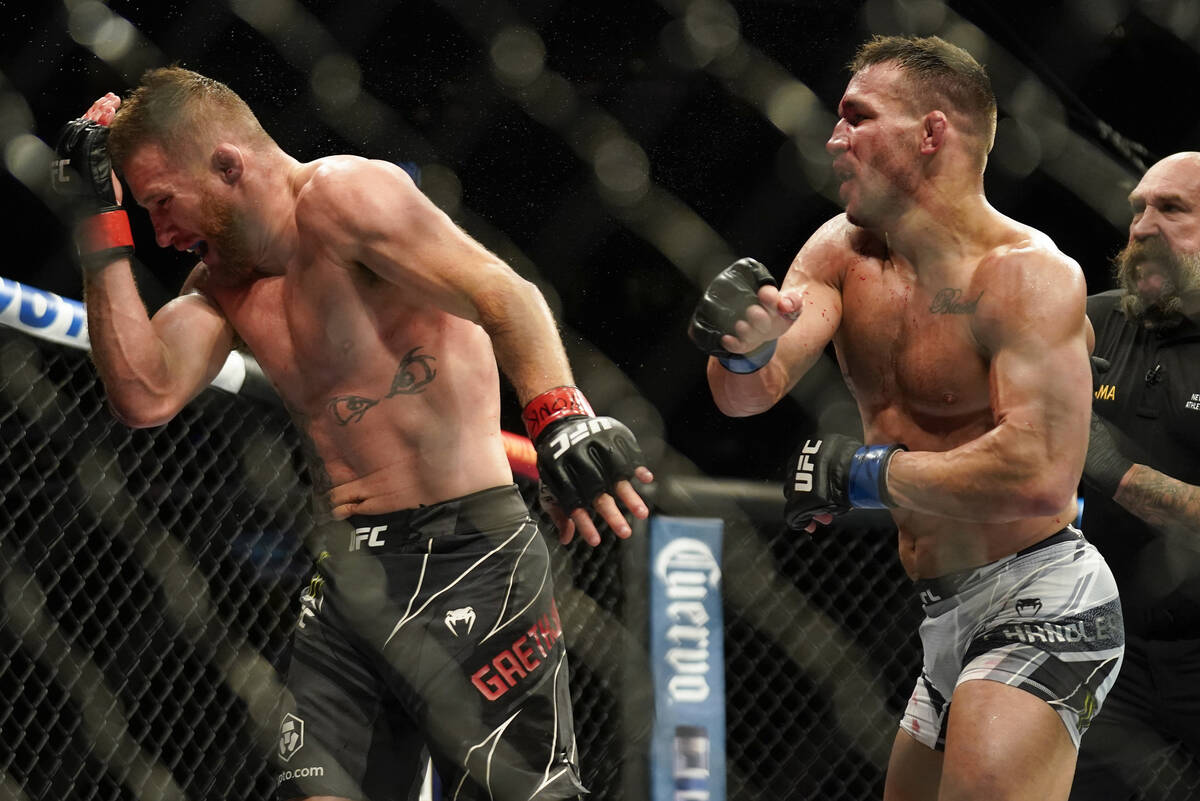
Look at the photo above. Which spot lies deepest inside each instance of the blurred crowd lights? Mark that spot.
(91, 24)
(703, 35)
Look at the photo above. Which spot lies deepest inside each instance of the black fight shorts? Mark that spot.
(431, 629)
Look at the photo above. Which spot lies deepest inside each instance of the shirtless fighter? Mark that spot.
(380, 323)
(962, 335)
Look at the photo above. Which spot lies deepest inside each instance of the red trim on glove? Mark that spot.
(554, 404)
(104, 231)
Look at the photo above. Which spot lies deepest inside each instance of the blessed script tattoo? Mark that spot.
(949, 301)
(414, 373)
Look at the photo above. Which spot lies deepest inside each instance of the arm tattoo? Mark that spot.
(949, 301)
(1159, 499)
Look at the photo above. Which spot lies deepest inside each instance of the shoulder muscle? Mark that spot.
(1029, 291)
(356, 198)
(826, 254)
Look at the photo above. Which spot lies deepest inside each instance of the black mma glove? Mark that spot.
(835, 474)
(83, 173)
(1104, 466)
(579, 455)
(725, 302)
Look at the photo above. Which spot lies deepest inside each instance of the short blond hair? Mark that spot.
(181, 111)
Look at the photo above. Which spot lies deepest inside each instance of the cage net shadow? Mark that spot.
(150, 582)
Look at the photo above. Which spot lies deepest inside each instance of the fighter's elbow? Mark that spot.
(140, 413)
(733, 408)
(739, 395)
(1042, 496)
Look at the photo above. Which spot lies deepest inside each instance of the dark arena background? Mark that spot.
(618, 154)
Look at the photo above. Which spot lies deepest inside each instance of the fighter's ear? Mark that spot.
(228, 163)
(933, 132)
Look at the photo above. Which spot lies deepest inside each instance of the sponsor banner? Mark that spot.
(687, 656)
(43, 314)
(64, 320)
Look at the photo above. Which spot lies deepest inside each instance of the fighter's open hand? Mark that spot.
(581, 520)
(583, 461)
(742, 312)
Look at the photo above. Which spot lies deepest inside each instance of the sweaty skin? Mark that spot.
(963, 336)
(971, 377)
(380, 378)
(379, 322)
(960, 332)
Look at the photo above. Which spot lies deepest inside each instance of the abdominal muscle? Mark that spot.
(400, 408)
(423, 476)
(408, 450)
(932, 545)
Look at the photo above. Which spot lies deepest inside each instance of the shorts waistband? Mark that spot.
(479, 511)
(933, 590)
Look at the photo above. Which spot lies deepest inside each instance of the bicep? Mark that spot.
(1040, 378)
(195, 337)
(820, 316)
(813, 281)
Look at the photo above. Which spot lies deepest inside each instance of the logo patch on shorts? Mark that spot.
(1028, 607)
(291, 736)
(456, 619)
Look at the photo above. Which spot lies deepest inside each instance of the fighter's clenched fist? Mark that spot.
(740, 316)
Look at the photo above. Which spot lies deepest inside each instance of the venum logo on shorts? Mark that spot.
(520, 659)
(1028, 607)
(457, 618)
(291, 736)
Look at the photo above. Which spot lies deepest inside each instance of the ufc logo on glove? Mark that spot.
(577, 431)
(805, 466)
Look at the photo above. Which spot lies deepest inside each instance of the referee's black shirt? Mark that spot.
(1150, 395)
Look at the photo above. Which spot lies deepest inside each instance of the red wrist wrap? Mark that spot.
(554, 404)
(108, 230)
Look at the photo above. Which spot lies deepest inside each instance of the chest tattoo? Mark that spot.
(950, 301)
(415, 372)
(348, 409)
